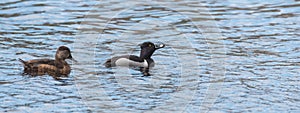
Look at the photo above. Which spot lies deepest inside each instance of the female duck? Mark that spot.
(55, 68)
(144, 60)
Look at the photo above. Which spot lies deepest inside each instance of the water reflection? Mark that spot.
(260, 37)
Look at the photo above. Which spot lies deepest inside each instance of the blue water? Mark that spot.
(220, 56)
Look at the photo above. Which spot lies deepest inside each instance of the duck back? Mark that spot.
(45, 66)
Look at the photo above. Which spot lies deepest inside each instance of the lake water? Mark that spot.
(220, 55)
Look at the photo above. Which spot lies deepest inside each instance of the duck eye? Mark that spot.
(150, 45)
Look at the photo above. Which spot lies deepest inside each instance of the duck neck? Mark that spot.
(63, 66)
(145, 54)
(60, 61)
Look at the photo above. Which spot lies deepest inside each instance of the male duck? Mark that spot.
(144, 60)
(56, 68)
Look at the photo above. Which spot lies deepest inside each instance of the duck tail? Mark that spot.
(22, 61)
(25, 64)
(108, 63)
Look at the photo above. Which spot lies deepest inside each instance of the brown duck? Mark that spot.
(56, 68)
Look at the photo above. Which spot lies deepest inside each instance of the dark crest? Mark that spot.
(62, 48)
(147, 44)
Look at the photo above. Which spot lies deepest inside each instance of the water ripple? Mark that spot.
(262, 55)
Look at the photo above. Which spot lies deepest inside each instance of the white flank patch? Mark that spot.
(127, 62)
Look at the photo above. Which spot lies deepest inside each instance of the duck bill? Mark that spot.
(71, 58)
(74, 60)
(159, 45)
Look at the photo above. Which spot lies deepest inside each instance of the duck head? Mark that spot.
(148, 48)
(63, 53)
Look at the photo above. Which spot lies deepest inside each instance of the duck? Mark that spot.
(144, 61)
(56, 68)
